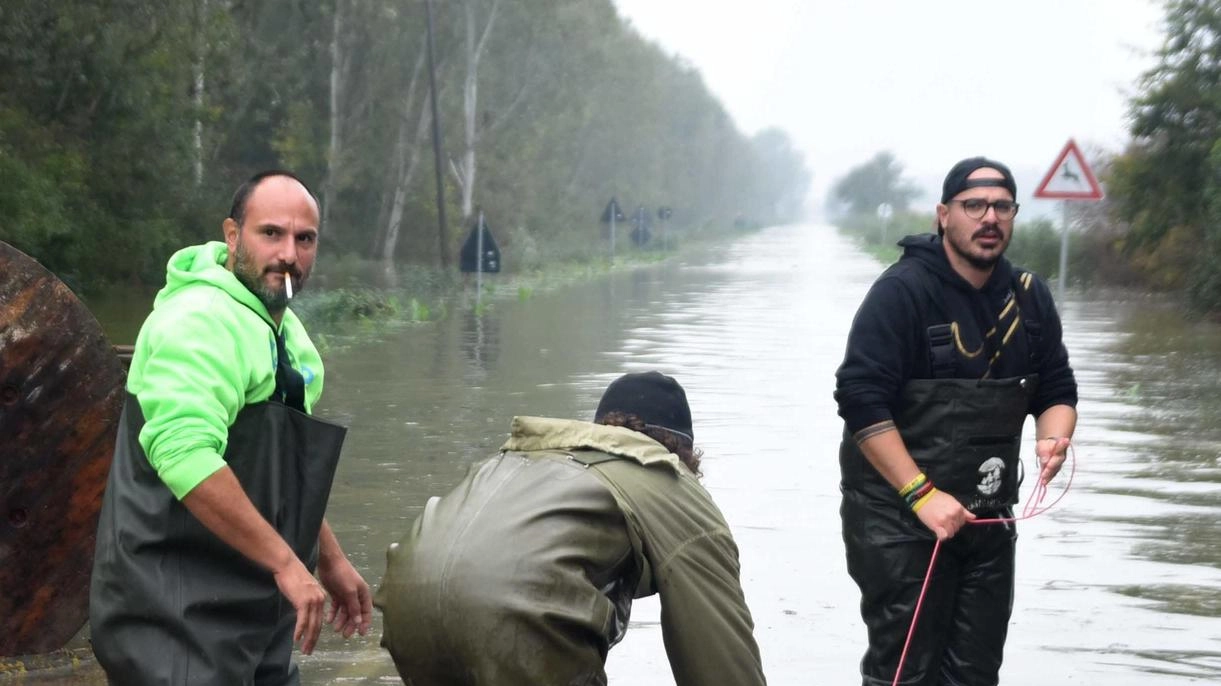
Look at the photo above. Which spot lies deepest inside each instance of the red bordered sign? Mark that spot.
(1070, 178)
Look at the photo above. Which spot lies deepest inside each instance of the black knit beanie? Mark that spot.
(654, 397)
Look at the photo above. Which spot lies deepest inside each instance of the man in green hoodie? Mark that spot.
(213, 518)
(525, 573)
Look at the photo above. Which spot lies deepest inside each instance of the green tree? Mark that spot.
(872, 184)
(1165, 183)
(124, 126)
(1206, 277)
(782, 179)
(95, 124)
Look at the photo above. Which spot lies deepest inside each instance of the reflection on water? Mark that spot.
(1138, 532)
(1158, 395)
(1118, 585)
(755, 332)
(1194, 600)
(121, 312)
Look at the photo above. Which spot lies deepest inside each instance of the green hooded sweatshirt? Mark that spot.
(207, 350)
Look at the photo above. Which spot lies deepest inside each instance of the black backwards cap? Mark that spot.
(654, 397)
(956, 181)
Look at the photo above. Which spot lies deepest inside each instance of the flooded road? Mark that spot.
(1119, 585)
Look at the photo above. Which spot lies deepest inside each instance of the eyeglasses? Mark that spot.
(976, 208)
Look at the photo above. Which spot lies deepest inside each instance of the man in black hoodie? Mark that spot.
(950, 350)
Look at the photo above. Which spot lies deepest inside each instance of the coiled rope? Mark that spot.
(1033, 508)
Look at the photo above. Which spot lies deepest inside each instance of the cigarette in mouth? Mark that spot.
(288, 285)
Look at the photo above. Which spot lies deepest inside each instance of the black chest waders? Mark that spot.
(170, 602)
(965, 435)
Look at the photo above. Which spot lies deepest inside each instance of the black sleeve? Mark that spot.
(881, 354)
(1057, 383)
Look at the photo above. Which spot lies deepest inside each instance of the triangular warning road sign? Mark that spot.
(1070, 178)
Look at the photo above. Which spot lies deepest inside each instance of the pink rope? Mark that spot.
(1033, 508)
(1034, 504)
(911, 631)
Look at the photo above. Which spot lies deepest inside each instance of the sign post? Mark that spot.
(611, 215)
(1070, 178)
(479, 262)
(663, 214)
(479, 254)
(885, 212)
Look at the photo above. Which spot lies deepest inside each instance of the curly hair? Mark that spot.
(687, 452)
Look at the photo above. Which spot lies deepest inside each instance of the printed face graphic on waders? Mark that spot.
(991, 474)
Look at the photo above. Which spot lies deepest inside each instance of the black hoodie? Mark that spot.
(889, 341)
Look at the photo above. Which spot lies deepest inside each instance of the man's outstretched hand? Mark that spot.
(351, 608)
(1052, 452)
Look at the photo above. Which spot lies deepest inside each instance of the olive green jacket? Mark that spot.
(524, 573)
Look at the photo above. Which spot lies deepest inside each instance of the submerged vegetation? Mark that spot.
(347, 303)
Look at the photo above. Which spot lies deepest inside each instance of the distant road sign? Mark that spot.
(475, 248)
(612, 211)
(1070, 177)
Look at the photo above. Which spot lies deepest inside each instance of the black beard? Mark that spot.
(980, 263)
(274, 299)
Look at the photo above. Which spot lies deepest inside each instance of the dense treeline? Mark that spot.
(1166, 187)
(124, 126)
(1160, 224)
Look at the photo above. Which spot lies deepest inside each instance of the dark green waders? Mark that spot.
(965, 435)
(172, 604)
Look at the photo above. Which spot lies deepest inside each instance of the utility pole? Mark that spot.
(479, 261)
(436, 144)
(1063, 252)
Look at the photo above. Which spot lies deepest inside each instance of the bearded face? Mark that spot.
(265, 281)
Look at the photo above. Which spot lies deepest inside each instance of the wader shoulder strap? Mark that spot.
(1022, 283)
(940, 336)
(290, 385)
(941, 351)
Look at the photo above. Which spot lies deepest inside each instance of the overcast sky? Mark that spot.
(932, 81)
